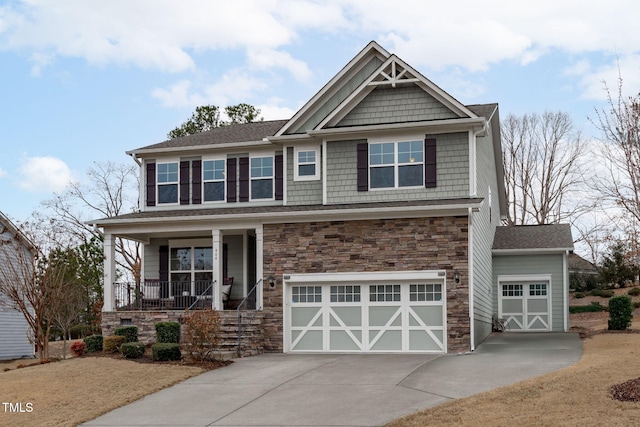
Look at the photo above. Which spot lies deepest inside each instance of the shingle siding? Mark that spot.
(396, 105)
(302, 192)
(452, 173)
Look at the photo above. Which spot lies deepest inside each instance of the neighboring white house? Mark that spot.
(15, 333)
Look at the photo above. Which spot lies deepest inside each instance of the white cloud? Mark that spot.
(3, 173)
(273, 111)
(44, 174)
(269, 59)
(594, 81)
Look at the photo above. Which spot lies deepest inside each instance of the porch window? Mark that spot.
(396, 164)
(306, 167)
(167, 179)
(213, 180)
(191, 270)
(262, 178)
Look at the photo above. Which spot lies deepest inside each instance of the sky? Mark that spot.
(84, 81)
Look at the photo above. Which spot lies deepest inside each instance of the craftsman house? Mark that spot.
(364, 223)
(16, 252)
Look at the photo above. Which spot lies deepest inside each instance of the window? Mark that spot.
(345, 293)
(381, 293)
(511, 290)
(191, 270)
(306, 294)
(261, 178)
(538, 289)
(306, 166)
(396, 164)
(425, 292)
(213, 180)
(167, 174)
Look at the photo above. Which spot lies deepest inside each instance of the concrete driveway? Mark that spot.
(344, 390)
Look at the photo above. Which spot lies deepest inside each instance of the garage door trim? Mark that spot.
(403, 278)
(527, 279)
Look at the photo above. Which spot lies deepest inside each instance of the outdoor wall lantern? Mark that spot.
(456, 276)
(272, 281)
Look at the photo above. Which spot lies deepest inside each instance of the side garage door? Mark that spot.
(525, 306)
(350, 315)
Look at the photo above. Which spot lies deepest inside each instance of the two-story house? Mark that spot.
(364, 223)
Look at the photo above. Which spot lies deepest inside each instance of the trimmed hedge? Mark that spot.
(168, 332)
(166, 351)
(129, 332)
(112, 344)
(620, 313)
(604, 293)
(591, 308)
(94, 343)
(132, 350)
(634, 292)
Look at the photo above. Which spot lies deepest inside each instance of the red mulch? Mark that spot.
(628, 391)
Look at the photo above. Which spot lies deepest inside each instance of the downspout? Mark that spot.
(470, 264)
(565, 291)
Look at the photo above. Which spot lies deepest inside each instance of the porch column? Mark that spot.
(216, 238)
(109, 272)
(259, 265)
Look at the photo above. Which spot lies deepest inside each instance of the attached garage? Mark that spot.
(365, 312)
(531, 278)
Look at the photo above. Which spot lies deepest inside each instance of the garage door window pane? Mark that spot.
(425, 292)
(538, 289)
(345, 293)
(306, 294)
(511, 290)
(382, 293)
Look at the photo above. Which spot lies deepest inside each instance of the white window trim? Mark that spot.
(158, 184)
(224, 180)
(396, 165)
(273, 176)
(296, 169)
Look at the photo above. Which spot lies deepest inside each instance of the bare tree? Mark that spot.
(541, 166)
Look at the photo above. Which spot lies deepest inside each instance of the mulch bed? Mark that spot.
(207, 365)
(628, 391)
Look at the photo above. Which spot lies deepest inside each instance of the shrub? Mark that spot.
(132, 350)
(164, 351)
(112, 344)
(202, 333)
(591, 308)
(620, 313)
(129, 332)
(636, 304)
(94, 343)
(604, 293)
(78, 348)
(168, 332)
(579, 295)
(634, 292)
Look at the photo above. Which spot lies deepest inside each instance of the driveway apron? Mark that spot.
(344, 390)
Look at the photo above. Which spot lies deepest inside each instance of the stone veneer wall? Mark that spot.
(439, 243)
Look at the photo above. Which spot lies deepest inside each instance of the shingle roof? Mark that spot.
(577, 263)
(550, 236)
(245, 132)
(483, 110)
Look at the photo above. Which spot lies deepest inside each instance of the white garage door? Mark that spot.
(365, 316)
(525, 306)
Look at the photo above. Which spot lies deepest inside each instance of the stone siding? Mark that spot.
(369, 246)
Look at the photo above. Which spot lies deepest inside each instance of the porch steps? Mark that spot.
(251, 338)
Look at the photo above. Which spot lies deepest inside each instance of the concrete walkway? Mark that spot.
(344, 390)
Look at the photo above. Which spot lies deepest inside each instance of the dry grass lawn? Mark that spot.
(79, 389)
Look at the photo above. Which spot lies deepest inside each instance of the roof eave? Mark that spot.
(531, 251)
(190, 148)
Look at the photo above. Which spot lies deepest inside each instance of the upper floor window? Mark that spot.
(167, 179)
(262, 178)
(306, 164)
(396, 164)
(213, 180)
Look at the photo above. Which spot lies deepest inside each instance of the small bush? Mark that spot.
(132, 350)
(78, 348)
(166, 351)
(579, 295)
(634, 292)
(94, 343)
(112, 344)
(636, 304)
(129, 332)
(604, 293)
(202, 330)
(620, 313)
(594, 307)
(168, 332)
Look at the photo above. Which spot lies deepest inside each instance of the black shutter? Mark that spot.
(430, 163)
(196, 182)
(244, 179)
(163, 272)
(232, 165)
(151, 184)
(279, 177)
(184, 182)
(363, 166)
